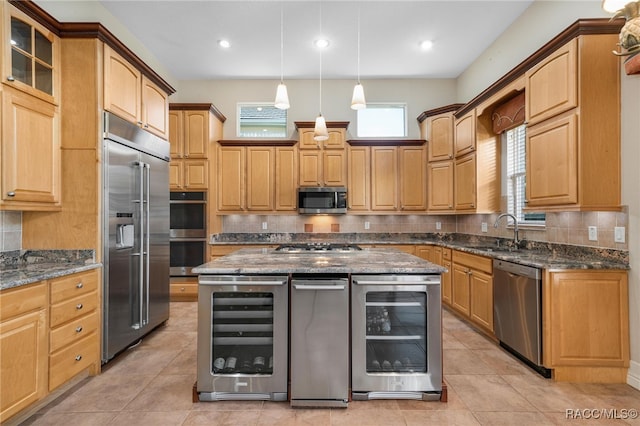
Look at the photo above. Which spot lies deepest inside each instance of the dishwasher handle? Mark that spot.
(517, 269)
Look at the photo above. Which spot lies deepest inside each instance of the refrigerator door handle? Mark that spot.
(141, 259)
(147, 251)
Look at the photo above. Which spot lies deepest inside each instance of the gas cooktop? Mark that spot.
(316, 247)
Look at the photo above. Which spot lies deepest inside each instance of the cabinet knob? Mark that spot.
(182, 288)
(79, 285)
(11, 194)
(146, 126)
(78, 329)
(79, 306)
(78, 357)
(139, 123)
(11, 78)
(526, 201)
(450, 156)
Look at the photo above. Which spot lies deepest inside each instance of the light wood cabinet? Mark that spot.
(446, 277)
(322, 163)
(359, 185)
(412, 162)
(189, 175)
(586, 325)
(440, 178)
(23, 348)
(573, 133)
(440, 138)
(465, 134)
(74, 327)
(465, 182)
(132, 96)
(472, 288)
(257, 178)
(384, 178)
(183, 289)
(31, 157)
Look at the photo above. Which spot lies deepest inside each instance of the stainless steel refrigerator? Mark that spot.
(136, 234)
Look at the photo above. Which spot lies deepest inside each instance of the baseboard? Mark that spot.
(633, 375)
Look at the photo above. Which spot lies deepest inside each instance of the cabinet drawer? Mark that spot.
(76, 329)
(73, 308)
(14, 302)
(70, 361)
(479, 263)
(73, 285)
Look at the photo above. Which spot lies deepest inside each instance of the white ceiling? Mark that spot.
(183, 35)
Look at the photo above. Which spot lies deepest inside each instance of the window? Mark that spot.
(261, 121)
(516, 176)
(382, 121)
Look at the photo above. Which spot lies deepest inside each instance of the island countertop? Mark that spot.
(367, 261)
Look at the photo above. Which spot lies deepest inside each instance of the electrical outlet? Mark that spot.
(484, 227)
(264, 225)
(593, 233)
(367, 225)
(438, 225)
(618, 234)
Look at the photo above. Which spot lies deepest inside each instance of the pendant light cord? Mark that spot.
(281, 43)
(358, 44)
(320, 85)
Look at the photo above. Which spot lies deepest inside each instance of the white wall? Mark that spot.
(538, 24)
(419, 94)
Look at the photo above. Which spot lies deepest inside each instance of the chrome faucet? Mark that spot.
(516, 241)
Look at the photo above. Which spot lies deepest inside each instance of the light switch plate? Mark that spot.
(484, 227)
(264, 225)
(618, 234)
(367, 225)
(438, 225)
(593, 233)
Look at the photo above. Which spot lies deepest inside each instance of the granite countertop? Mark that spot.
(269, 261)
(532, 253)
(20, 268)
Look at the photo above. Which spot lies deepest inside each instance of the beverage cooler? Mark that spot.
(242, 338)
(396, 337)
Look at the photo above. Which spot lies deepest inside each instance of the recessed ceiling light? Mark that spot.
(321, 43)
(224, 44)
(426, 44)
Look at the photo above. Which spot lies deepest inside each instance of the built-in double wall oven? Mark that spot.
(188, 232)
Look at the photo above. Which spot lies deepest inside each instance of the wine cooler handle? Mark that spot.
(319, 287)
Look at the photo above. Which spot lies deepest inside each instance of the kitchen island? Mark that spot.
(320, 326)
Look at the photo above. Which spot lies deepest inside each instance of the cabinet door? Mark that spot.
(460, 298)
(481, 288)
(122, 87)
(465, 182)
(231, 176)
(307, 141)
(196, 174)
(446, 282)
(176, 134)
(334, 168)
(196, 134)
(155, 109)
(286, 195)
(440, 139)
(384, 175)
(30, 151)
(425, 252)
(359, 189)
(336, 139)
(260, 175)
(413, 178)
(552, 85)
(310, 167)
(440, 185)
(465, 134)
(552, 162)
(587, 318)
(176, 174)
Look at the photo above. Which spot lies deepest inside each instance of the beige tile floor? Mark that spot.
(151, 384)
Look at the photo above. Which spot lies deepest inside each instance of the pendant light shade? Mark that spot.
(320, 132)
(357, 100)
(282, 97)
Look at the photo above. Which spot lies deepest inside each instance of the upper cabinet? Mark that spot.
(30, 121)
(132, 96)
(322, 163)
(573, 133)
(465, 133)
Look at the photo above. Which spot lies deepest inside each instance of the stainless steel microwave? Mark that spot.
(322, 200)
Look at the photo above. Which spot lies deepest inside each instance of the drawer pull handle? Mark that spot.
(79, 306)
(79, 285)
(182, 288)
(78, 357)
(78, 329)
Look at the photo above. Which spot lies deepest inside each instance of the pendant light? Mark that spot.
(282, 97)
(357, 100)
(320, 132)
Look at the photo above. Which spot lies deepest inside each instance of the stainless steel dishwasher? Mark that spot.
(319, 341)
(517, 311)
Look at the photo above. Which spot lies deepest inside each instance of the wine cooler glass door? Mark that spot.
(396, 334)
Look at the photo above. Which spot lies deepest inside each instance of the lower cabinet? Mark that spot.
(472, 288)
(49, 333)
(183, 289)
(446, 276)
(23, 348)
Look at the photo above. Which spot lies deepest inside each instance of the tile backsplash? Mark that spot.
(10, 231)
